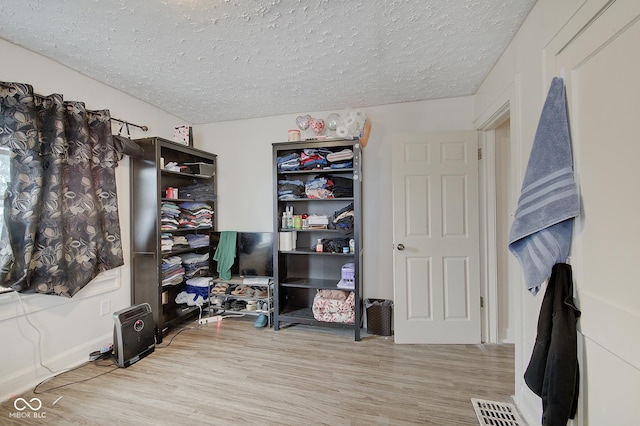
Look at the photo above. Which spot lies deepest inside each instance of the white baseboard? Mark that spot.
(529, 405)
(27, 378)
(509, 336)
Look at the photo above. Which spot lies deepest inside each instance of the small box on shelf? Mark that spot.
(202, 169)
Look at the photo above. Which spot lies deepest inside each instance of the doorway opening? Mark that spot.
(498, 316)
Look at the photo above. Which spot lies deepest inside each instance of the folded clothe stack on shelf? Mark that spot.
(290, 189)
(341, 159)
(197, 240)
(169, 214)
(172, 270)
(289, 162)
(180, 242)
(170, 242)
(195, 215)
(318, 188)
(312, 158)
(195, 265)
(201, 191)
(166, 242)
(342, 187)
(342, 220)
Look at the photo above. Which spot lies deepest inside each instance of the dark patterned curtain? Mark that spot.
(61, 224)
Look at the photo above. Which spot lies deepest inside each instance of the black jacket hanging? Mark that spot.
(553, 372)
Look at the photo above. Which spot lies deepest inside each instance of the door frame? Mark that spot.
(504, 107)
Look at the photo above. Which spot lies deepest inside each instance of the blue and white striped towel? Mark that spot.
(540, 235)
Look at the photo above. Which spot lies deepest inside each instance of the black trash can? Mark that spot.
(379, 316)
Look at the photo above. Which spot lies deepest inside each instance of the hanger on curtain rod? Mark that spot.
(40, 97)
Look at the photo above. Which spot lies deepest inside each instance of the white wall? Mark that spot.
(610, 376)
(245, 172)
(57, 331)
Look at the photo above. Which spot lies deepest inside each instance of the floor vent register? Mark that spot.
(492, 413)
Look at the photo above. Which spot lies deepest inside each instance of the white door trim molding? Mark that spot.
(504, 107)
(488, 247)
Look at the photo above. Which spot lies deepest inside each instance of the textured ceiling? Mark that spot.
(215, 60)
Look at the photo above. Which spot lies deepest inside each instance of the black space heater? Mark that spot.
(133, 334)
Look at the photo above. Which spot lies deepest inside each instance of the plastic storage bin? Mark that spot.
(379, 316)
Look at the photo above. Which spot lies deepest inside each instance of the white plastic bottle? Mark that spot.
(289, 217)
(319, 245)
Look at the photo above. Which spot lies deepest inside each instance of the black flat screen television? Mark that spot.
(254, 254)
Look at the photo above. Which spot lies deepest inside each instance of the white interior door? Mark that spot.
(436, 238)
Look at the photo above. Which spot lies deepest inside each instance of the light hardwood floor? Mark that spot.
(233, 374)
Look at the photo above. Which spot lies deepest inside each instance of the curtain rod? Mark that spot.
(37, 95)
(144, 128)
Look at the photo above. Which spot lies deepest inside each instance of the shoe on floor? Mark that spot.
(261, 321)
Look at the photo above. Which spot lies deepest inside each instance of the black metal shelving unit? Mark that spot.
(300, 272)
(149, 182)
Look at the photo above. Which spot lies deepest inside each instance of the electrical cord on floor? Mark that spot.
(210, 308)
(173, 337)
(180, 330)
(238, 315)
(220, 313)
(59, 373)
(95, 362)
(26, 317)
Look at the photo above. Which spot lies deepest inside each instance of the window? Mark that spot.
(4, 179)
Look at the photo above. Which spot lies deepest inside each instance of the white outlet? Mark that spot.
(105, 307)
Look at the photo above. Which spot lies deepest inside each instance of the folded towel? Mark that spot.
(540, 235)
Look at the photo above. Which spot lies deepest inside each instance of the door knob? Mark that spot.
(400, 247)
